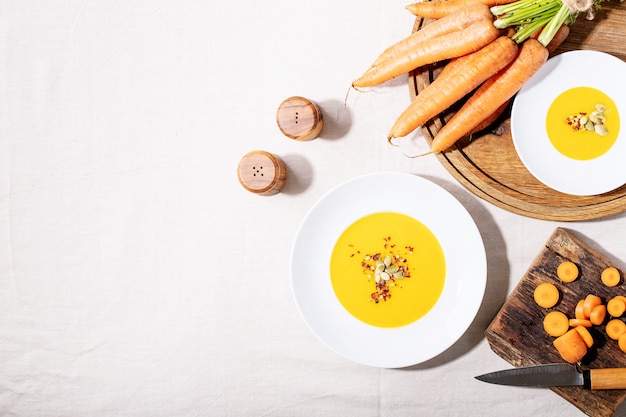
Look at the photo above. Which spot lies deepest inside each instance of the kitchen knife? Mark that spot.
(621, 411)
(559, 375)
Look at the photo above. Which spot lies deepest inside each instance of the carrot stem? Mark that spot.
(530, 16)
(520, 6)
(527, 30)
(555, 23)
(503, 9)
(534, 11)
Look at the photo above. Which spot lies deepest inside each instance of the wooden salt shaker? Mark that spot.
(262, 173)
(299, 118)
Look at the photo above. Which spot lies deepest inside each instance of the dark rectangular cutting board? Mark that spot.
(516, 333)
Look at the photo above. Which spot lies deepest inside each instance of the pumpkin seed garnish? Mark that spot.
(386, 269)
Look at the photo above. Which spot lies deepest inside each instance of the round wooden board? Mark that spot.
(487, 164)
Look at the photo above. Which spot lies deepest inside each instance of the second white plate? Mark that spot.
(586, 68)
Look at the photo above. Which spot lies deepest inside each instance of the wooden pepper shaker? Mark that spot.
(299, 118)
(262, 173)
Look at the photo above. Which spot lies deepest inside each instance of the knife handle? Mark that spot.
(608, 378)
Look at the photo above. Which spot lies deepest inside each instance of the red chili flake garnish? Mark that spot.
(386, 270)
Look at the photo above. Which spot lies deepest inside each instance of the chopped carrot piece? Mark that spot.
(546, 295)
(571, 346)
(555, 323)
(615, 328)
(579, 313)
(611, 277)
(616, 306)
(598, 313)
(567, 271)
(580, 322)
(590, 302)
(584, 333)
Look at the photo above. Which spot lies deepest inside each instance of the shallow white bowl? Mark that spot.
(443, 325)
(568, 70)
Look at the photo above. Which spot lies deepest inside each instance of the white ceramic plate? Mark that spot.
(586, 68)
(443, 325)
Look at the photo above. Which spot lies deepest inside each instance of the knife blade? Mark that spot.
(621, 410)
(559, 375)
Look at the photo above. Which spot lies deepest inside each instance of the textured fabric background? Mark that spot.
(138, 278)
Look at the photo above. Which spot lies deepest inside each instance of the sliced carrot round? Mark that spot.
(621, 342)
(610, 277)
(567, 271)
(580, 322)
(616, 307)
(615, 328)
(556, 323)
(546, 295)
(591, 301)
(584, 333)
(579, 312)
(598, 314)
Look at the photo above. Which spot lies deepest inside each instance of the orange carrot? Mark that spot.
(452, 85)
(571, 346)
(453, 22)
(567, 271)
(615, 328)
(580, 323)
(555, 323)
(558, 39)
(492, 94)
(611, 277)
(439, 8)
(586, 335)
(598, 314)
(616, 307)
(546, 295)
(490, 119)
(579, 312)
(591, 300)
(437, 49)
(621, 342)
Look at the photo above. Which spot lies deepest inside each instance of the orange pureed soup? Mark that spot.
(581, 144)
(387, 269)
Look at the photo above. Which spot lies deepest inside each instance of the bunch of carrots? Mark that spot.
(490, 48)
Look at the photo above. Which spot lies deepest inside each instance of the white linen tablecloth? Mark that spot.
(138, 278)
